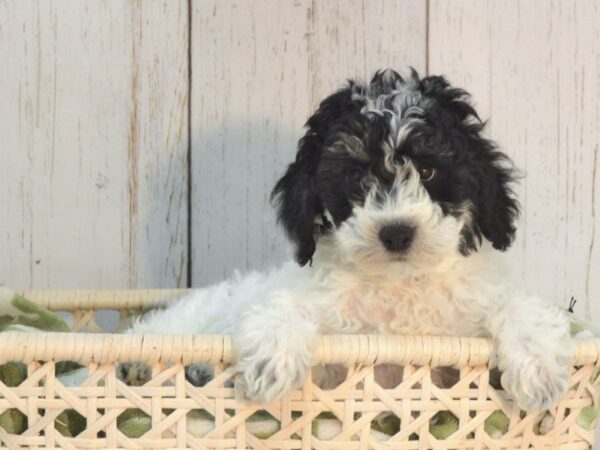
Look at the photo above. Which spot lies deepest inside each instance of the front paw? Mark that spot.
(263, 379)
(536, 385)
(273, 346)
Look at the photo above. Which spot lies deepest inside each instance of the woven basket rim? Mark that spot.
(74, 299)
(103, 348)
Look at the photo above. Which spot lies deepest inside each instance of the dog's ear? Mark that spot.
(296, 195)
(297, 200)
(497, 207)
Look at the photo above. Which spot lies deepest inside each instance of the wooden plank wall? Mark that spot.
(94, 129)
(125, 122)
(270, 63)
(534, 70)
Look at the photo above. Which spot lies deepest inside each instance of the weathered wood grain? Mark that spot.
(356, 38)
(534, 70)
(258, 69)
(94, 125)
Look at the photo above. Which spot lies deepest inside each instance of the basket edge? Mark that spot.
(435, 351)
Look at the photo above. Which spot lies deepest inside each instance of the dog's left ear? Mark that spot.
(498, 208)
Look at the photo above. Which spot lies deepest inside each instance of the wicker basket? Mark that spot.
(354, 405)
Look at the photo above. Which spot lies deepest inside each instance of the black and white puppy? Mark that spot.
(397, 207)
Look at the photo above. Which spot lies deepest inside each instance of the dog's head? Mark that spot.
(396, 171)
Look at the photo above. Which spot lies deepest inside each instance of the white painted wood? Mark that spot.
(93, 122)
(534, 70)
(354, 38)
(258, 69)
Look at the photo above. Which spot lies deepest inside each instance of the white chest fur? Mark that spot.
(450, 301)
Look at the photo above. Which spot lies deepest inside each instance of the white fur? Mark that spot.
(354, 286)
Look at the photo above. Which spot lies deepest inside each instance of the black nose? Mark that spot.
(396, 237)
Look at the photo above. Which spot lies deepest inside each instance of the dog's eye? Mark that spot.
(356, 175)
(427, 173)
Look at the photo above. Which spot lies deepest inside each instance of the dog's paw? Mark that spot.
(273, 349)
(134, 374)
(535, 386)
(263, 380)
(199, 374)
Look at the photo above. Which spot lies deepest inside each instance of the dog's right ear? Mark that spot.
(297, 200)
(296, 194)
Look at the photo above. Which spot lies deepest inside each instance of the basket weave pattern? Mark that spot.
(168, 398)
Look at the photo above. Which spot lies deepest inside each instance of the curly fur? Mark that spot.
(390, 152)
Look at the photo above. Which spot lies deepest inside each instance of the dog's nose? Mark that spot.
(396, 237)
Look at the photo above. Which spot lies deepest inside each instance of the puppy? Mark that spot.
(397, 207)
